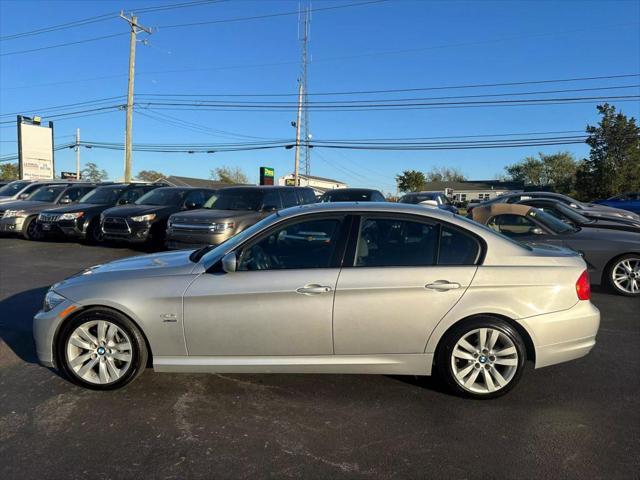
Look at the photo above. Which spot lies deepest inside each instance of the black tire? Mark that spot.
(94, 232)
(139, 352)
(31, 230)
(444, 362)
(609, 275)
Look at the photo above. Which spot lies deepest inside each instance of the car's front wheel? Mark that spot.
(31, 230)
(481, 358)
(624, 275)
(102, 350)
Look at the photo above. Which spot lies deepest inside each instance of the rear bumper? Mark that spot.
(563, 336)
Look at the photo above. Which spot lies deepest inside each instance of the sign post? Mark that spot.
(35, 149)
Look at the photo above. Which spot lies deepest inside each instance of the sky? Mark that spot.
(394, 44)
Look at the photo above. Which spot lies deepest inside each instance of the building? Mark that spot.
(467, 190)
(319, 184)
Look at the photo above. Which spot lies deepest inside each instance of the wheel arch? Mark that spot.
(605, 271)
(76, 313)
(517, 326)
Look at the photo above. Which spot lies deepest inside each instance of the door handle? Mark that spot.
(313, 289)
(442, 285)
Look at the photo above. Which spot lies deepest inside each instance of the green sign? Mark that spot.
(268, 172)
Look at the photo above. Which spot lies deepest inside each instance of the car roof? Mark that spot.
(354, 189)
(483, 213)
(383, 207)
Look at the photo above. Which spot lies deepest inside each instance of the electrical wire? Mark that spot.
(59, 45)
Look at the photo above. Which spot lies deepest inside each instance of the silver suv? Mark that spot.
(230, 211)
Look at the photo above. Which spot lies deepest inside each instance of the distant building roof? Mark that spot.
(322, 179)
(191, 182)
(474, 185)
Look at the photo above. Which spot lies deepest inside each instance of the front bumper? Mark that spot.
(179, 240)
(131, 232)
(563, 336)
(45, 326)
(12, 224)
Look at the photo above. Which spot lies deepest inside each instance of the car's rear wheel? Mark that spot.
(102, 350)
(481, 358)
(623, 275)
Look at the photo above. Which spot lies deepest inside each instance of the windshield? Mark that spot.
(348, 196)
(103, 195)
(210, 254)
(551, 222)
(12, 188)
(418, 197)
(236, 199)
(46, 194)
(572, 215)
(162, 196)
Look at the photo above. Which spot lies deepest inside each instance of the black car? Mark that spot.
(441, 200)
(146, 220)
(573, 217)
(352, 195)
(82, 220)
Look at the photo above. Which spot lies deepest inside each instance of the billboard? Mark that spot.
(266, 175)
(35, 149)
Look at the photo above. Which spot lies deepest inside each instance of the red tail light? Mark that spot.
(583, 287)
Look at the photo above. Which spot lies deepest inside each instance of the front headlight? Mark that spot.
(144, 218)
(221, 227)
(71, 216)
(52, 300)
(14, 213)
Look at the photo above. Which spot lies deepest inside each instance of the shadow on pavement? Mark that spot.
(16, 315)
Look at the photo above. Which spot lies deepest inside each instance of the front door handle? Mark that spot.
(314, 289)
(442, 285)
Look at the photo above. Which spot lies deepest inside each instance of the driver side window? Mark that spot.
(512, 225)
(307, 244)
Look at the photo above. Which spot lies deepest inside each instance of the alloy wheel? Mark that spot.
(625, 275)
(99, 352)
(484, 360)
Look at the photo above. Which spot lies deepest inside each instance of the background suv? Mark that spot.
(230, 211)
(352, 195)
(146, 220)
(20, 216)
(82, 220)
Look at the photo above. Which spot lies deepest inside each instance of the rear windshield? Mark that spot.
(346, 196)
(46, 194)
(418, 198)
(231, 199)
(103, 195)
(12, 188)
(162, 196)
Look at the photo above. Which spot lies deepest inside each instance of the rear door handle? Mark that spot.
(314, 289)
(442, 285)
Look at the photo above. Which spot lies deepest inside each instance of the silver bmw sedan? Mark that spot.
(328, 288)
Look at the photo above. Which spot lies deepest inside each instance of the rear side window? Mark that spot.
(289, 197)
(377, 197)
(271, 200)
(306, 196)
(386, 242)
(457, 248)
(511, 225)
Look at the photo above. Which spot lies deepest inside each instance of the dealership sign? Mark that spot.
(266, 175)
(35, 149)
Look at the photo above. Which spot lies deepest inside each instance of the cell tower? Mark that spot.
(304, 24)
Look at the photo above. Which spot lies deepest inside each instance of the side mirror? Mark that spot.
(537, 231)
(191, 205)
(22, 196)
(123, 201)
(229, 262)
(429, 203)
(65, 200)
(269, 208)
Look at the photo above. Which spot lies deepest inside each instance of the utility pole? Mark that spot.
(77, 154)
(135, 29)
(305, 25)
(297, 162)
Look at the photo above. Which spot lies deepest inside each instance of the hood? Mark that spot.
(606, 235)
(208, 215)
(605, 211)
(28, 206)
(137, 210)
(79, 207)
(143, 266)
(621, 224)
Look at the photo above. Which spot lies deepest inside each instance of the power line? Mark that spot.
(44, 109)
(59, 45)
(270, 15)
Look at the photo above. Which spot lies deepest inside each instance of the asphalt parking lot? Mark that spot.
(577, 420)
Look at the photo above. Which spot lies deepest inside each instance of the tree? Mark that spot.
(410, 181)
(150, 175)
(92, 173)
(9, 171)
(613, 165)
(444, 174)
(230, 175)
(556, 171)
